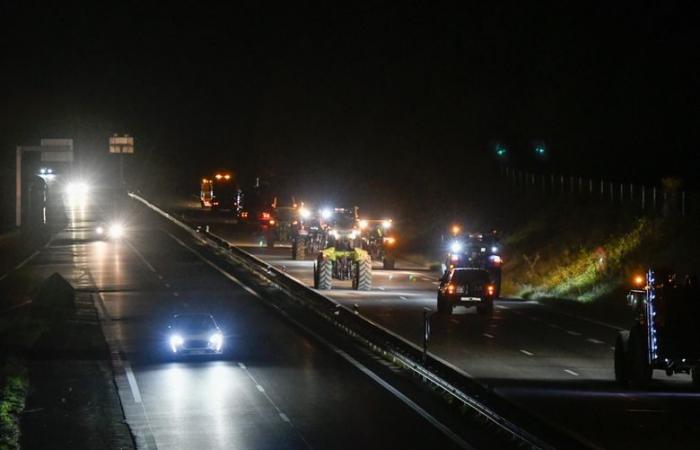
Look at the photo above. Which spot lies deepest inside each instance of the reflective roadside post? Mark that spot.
(427, 314)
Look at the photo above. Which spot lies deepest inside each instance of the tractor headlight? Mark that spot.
(456, 247)
(386, 224)
(116, 231)
(216, 340)
(176, 341)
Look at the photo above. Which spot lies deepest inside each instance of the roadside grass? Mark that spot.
(14, 382)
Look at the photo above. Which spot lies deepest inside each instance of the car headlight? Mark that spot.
(116, 231)
(217, 340)
(76, 189)
(99, 230)
(386, 224)
(456, 247)
(176, 341)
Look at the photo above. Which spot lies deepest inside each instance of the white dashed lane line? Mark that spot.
(526, 353)
(571, 372)
(490, 336)
(595, 341)
(573, 333)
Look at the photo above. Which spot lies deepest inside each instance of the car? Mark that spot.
(467, 287)
(195, 334)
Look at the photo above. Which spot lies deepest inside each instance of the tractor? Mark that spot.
(665, 334)
(378, 241)
(343, 257)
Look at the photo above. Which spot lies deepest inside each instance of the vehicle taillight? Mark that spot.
(451, 288)
(244, 215)
(265, 216)
(490, 289)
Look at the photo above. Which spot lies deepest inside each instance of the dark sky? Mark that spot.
(399, 92)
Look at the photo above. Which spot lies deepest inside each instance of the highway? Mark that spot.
(551, 364)
(273, 388)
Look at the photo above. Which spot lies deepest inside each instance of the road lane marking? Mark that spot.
(284, 417)
(167, 285)
(571, 372)
(176, 294)
(402, 297)
(502, 307)
(553, 325)
(612, 348)
(573, 333)
(141, 257)
(436, 283)
(490, 336)
(525, 352)
(241, 365)
(595, 341)
(132, 381)
(260, 388)
(358, 365)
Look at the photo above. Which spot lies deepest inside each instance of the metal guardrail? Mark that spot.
(441, 374)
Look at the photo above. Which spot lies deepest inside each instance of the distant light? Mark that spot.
(42, 171)
(456, 247)
(390, 240)
(456, 229)
(227, 177)
(304, 213)
(116, 231)
(386, 224)
(494, 249)
(49, 170)
(639, 280)
(218, 176)
(363, 224)
(326, 213)
(99, 230)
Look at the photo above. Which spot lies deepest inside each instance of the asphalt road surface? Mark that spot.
(549, 363)
(273, 388)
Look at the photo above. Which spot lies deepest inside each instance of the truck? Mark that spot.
(220, 192)
(664, 334)
(477, 251)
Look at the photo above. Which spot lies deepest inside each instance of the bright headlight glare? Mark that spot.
(76, 189)
(456, 247)
(386, 224)
(304, 213)
(116, 231)
(216, 338)
(99, 230)
(326, 213)
(176, 341)
(494, 249)
(363, 224)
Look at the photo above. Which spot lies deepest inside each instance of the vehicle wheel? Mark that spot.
(640, 372)
(485, 308)
(443, 306)
(362, 281)
(324, 274)
(622, 358)
(695, 375)
(389, 263)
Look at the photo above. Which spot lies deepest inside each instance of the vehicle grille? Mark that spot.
(196, 343)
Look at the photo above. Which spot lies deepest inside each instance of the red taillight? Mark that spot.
(490, 289)
(265, 216)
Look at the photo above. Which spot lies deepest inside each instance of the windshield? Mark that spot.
(194, 322)
(470, 276)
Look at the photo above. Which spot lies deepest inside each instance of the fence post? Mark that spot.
(602, 189)
(653, 199)
(622, 194)
(562, 184)
(590, 186)
(644, 191)
(612, 193)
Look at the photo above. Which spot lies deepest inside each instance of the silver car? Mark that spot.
(195, 334)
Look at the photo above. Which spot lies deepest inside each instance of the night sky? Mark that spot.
(379, 94)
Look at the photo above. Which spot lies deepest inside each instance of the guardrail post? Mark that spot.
(356, 308)
(683, 203)
(427, 314)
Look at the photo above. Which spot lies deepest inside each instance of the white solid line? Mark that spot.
(358, 365)
(595, 341)
(525, 352)
(141, 257)
(132, 382)
(573, 333)
(490, 336)
(571, 372)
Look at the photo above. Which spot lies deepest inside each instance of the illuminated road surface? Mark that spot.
(272, 389)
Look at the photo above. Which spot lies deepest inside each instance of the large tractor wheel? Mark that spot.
(640, 371)
(362, 281)
(298, 250)
(323, 275)
(622, 358)
(389, 262)
(443, 306)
